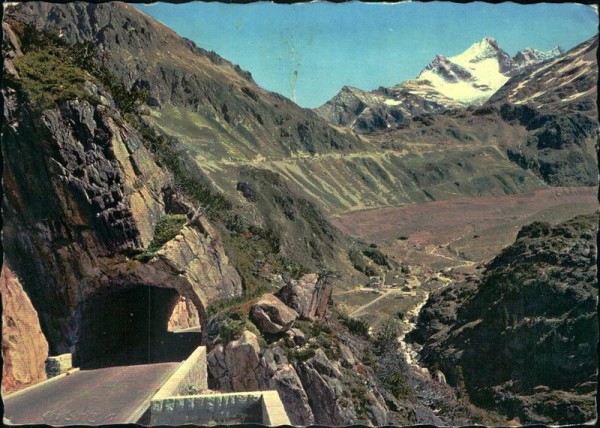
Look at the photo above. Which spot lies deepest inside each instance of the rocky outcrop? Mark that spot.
(312, 391)
(24, 347)
(242, 366)
(309, 295)
(271, 315)
(184, 315)
(284, 378)
(237, 365)
(83, 197)
(523, 339)
(314, 386)
(325, 390)
(559, 149)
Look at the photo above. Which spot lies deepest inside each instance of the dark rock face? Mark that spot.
(449, 71)
(523, 339)
(559, 147)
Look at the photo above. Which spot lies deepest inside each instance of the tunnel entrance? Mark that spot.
(130, 326)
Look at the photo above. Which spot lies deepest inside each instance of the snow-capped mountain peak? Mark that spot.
(475, 74)
(484, 49)
(470, 77)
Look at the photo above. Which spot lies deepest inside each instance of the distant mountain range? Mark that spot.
(471, 77)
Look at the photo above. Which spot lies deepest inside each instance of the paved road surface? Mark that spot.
(102, 396)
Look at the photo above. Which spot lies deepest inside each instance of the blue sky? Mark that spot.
(307, 52)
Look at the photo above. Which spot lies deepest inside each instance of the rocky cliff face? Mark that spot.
(214, 112)
(523, 338)
(83, 197)
(24, 347)
(184, 315)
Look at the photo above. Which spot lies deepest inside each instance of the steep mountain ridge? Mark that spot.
(233, 116)
(445, 83)
(368, 180)
(544, 119)
(567, 83)
(531, 56)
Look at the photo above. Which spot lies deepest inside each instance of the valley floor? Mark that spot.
(443, 241)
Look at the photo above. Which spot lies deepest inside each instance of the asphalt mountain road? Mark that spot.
(110, 395)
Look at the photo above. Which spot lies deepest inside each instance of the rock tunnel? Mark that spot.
(129, 325)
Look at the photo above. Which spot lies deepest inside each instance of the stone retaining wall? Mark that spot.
(262, 407)
(174, 405)
(207, 409)
(273, 412)
(58, 365)
(191, 376)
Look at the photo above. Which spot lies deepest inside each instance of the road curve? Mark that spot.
(111, 395)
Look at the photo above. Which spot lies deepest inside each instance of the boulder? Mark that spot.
(346, 356)
(237, 366)
(309, 295)
(271, 315)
